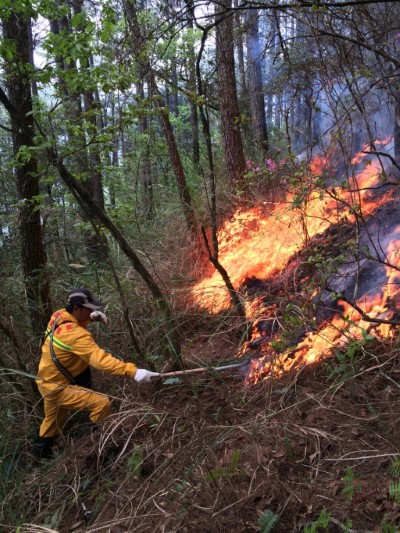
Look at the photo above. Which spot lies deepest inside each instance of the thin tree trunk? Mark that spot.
(145, 171)
(139, 46)
(397, 130)
(213, 251)
(240, 51)
(194, 117)
(91, 159)
(256, 93)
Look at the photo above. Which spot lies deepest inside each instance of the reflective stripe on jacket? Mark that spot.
(75, 349)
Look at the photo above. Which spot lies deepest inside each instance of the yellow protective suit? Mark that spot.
(76, 350)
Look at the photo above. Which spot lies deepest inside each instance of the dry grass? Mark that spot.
(208, 455)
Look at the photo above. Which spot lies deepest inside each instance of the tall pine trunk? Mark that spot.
(230, 116)
(16, 30)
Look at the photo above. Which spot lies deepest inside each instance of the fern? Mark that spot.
(267, 521)
(349, 487)
(394, 490)
(395, 467)
(322, 522)
(225, 472)
(388, 528)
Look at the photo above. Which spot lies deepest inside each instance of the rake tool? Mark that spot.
(180, 373)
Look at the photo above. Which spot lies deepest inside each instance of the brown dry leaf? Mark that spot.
(278, 454)
(76, 265)
(313, 456)
(333, 487)
(372, 507)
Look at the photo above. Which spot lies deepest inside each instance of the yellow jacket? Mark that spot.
(75, 349)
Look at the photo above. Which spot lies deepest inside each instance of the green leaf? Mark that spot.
(222, 472)
(395, 467)
(134, 463)
(267, 521)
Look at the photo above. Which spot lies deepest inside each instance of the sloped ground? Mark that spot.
(211, 455)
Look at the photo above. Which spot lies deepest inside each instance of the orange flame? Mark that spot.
(256, 243)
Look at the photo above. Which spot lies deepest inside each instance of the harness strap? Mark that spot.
(60, 367)
(61, 323)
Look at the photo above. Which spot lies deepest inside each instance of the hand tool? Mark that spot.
(178, 373)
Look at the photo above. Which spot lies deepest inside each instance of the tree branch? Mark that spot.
(385, 154)
(7, 104)
(364, 315)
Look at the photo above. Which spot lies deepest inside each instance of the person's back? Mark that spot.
(68, 334)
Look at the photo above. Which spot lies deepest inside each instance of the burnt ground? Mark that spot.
(216, 454)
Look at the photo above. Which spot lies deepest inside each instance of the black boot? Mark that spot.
(42, 447)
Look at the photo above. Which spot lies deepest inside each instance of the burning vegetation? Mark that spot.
(343, 237)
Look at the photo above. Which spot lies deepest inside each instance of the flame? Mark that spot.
(258, 242)
(253, 243)
(318, 165)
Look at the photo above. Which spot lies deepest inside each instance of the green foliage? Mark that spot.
(223, 472)
(288, 446)
(295, 320)
(53, 521)
(350, 485)
(268, 521)
(395, 467)
(12, 474)
(394, 490)
(345, 366)
(322, 522)
(389, 528)
(134, 462)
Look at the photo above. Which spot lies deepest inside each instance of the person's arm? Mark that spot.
(86, 348)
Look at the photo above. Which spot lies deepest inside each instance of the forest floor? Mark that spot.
(313, 448)
(216, 454)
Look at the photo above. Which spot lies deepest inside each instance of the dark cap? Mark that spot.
(83, 297)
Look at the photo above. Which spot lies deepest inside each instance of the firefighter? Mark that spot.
(68, 353)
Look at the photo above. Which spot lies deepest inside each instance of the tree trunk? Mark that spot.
(230, 117)
(19, 105)
(191, 74)
(75, 104)
(397, 130)
(91, 160)
(256, 93)
(240, 51)
(145, 171)
(213, 250)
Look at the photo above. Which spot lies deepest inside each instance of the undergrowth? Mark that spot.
(292, 454)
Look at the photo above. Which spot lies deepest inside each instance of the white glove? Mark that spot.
(144, 376)
(98, 316)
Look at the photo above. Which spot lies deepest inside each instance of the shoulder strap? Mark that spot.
(60, 324)
(60, 367)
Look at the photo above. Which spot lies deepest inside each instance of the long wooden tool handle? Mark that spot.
(182, 372)
(201, 369)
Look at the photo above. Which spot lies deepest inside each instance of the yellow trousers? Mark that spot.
(58, 401)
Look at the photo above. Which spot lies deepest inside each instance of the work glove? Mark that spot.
(98, 316)
(144, 376)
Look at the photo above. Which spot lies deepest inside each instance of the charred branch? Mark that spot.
(213, 257)
(384, 154)
(363, 314)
